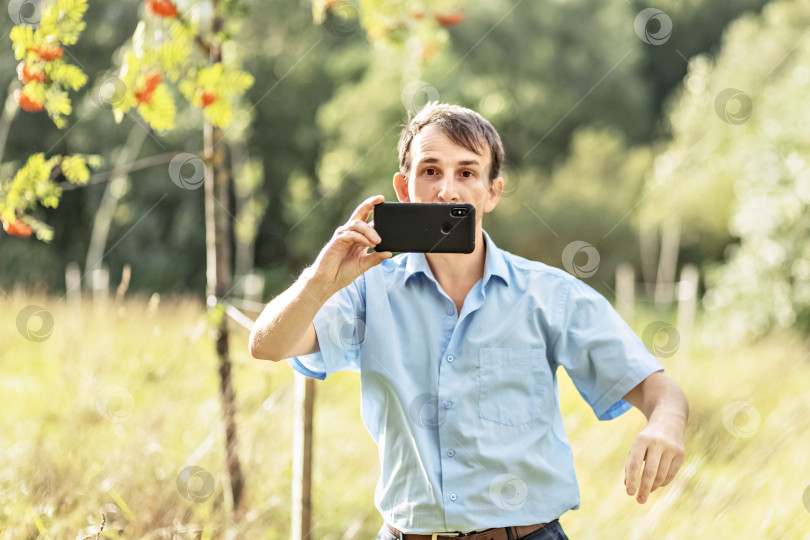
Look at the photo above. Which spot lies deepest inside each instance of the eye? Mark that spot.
(429, 172)
(467, 174)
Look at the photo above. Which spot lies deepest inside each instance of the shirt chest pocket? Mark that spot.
(514, 385)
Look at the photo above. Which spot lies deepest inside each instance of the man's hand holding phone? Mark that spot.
(345, 257)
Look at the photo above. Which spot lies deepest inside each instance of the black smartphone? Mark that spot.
(425, 227)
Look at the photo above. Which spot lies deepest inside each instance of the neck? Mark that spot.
(454, 270)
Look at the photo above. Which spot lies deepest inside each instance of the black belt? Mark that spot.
(500, 533)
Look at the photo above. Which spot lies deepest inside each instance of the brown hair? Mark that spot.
(463, 126)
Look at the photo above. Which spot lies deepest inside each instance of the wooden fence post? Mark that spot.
(626, 292)
(126, 275)
(667, 265)
(100, 281)
(687, 302)
(302, 458)
(73, 284)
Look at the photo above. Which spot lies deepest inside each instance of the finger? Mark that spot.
(673, 469)
(363, 228)
(350, 237)
(364, 210)
(651, 462)
(633, 466)
(663, 470)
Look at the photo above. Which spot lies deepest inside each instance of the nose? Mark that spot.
(447, 192)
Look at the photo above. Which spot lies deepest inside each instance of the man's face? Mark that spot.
(444, 172)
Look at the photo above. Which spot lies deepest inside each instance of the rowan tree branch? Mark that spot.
(137, 165)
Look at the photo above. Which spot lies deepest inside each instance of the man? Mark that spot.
(457, 355)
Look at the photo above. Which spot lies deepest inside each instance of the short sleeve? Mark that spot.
(340, 327)
(599, 351)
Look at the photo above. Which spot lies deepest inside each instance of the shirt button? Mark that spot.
(450, 357)
(448, 404)
(451, 311)
(451, 452)
(452, 496)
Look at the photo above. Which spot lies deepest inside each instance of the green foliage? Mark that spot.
(739, 168)
(64, 21)
(41, 52)
(159, 111)
(67, 75)
(75, 169)
(167, 46)
(533, 95)
(221, 84)
(327, 106)
(22, 39)
(33, 185)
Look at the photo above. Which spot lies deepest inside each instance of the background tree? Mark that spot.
(740, 179)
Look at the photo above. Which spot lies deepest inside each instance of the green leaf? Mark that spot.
(159, 112)
(67, 75)
(75, 169)
(22, 38)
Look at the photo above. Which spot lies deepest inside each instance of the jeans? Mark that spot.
(552, 531)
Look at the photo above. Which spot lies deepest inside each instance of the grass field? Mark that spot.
(104, 414)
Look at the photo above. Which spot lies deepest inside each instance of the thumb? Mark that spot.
(373, 259)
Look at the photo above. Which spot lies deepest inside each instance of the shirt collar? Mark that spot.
(494, 264)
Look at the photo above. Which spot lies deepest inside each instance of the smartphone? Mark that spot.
(425, 227)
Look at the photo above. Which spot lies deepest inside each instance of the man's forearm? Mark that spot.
(286, 318)
(660, 398)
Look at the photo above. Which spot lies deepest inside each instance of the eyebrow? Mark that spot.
(462, 162)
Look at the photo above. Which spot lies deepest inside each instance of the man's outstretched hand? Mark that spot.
(660, 447)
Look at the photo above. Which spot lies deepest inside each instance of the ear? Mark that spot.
(401, 187)
(495, 190)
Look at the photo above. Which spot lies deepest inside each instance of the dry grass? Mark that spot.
(101, 417)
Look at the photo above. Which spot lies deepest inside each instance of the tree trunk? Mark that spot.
(109, 201)
(218, 274)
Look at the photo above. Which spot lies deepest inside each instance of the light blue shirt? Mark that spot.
(464, 407)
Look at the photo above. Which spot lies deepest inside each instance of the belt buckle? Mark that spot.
(434, 535)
